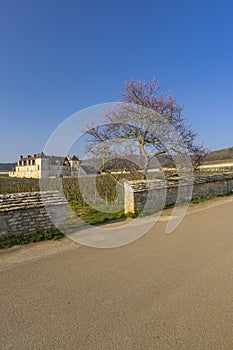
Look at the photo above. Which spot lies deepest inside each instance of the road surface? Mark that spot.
(161, 292)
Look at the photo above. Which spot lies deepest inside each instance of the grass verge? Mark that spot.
(93, 216)
(36, 237)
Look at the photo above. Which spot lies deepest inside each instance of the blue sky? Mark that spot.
(58, 57)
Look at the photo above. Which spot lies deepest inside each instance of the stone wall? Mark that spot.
(150, 195)
(28, 213)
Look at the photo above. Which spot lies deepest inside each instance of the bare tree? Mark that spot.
(198, 154)
(148, 119)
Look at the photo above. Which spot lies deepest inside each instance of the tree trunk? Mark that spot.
(146, 168)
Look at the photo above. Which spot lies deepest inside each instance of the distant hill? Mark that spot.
(7, 166)
(218, 156)
(222, 154)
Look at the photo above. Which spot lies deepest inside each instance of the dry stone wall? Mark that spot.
(28, 213)
(150, 195)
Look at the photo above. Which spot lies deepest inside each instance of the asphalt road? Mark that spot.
(161, 292)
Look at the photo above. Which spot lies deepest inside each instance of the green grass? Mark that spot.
(36, 237)
(93, 216)
(204, 199)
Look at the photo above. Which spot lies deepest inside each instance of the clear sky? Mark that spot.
(60, 56)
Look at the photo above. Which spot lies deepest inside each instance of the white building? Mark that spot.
(43, 166)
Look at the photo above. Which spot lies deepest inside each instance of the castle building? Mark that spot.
(42, 166)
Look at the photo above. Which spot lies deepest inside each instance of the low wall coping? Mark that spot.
(144, 185)
(29, 200)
